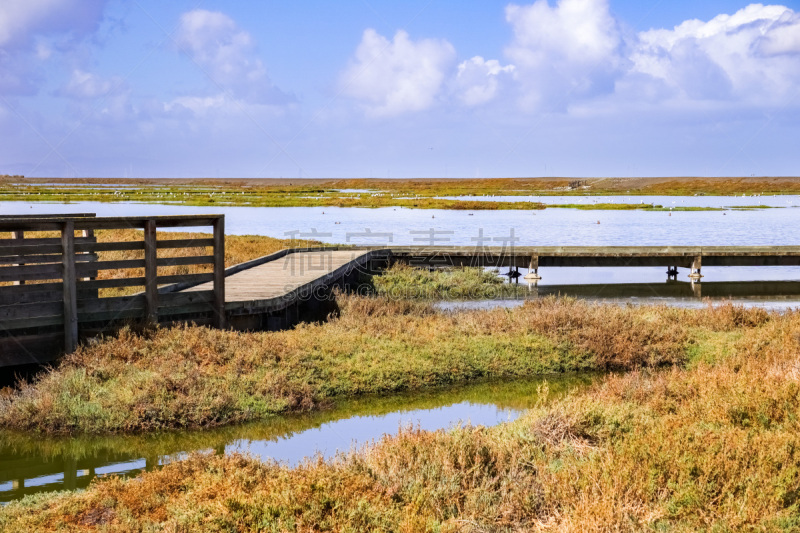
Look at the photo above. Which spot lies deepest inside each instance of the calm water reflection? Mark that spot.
(771, 295)
(30, 465)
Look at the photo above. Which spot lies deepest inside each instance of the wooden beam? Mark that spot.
(151, 271)
(219, 271)
(70, 288)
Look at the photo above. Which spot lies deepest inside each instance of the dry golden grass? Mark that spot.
(710, 446)
(197, 377)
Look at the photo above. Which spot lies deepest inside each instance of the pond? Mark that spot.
(33, 464)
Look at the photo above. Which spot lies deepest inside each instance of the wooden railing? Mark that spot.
(51, 286)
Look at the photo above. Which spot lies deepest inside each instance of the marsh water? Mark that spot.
(776, 226)
(34, 464)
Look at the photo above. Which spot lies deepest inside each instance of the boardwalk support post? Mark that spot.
(533, 269)
(70, 295)
(219, 272)
(696, 265)
(151, 271)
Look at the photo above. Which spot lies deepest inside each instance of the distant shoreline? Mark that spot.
(431, 193)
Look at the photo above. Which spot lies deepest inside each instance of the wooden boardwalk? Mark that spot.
(285, 278)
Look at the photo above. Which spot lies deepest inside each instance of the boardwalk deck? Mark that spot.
(273, 285)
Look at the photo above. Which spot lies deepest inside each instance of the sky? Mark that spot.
(386, 89)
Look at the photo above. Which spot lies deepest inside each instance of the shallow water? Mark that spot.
(665, 201)
(30, 465)
(769, 295)
(550, 227)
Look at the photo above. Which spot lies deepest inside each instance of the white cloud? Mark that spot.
(85, 85)
(21, 20)
(751, 56)
(478, 81)
(26, 26)
(198, 105)
(398, 76)
(228, 55)
(562, 52)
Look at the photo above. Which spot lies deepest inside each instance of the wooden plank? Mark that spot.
(14, 291)
(139, 245)
(186, 278)
(29, 225)
(30, 249)
(219, 272)
(185, 243)
(47, 216)
(140, 282)
(111, 283)
(179, 261)
(13, 324)
(42, 241)
(30, 273)
(96, 305)
(122, 246)
(88, 269)
(40, 259)
(115, 315)
(70, 288)
(139, 222)
(151, 271)
(33, 297)
(20, 310)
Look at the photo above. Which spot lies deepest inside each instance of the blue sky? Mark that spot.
(422, 88)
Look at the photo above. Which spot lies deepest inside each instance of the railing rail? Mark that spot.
(50, 286)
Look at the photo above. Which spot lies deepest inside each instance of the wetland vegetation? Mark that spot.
(701, 434)
(419, 194)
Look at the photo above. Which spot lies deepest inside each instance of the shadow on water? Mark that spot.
(768, 294)
(31, 464)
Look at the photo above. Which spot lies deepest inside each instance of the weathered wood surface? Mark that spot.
(588, 256)
(49, 290)
(278, 283)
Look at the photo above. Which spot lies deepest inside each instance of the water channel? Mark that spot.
(35, 464)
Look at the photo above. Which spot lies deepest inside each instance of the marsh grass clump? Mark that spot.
(402, 281)
(712, 447)
(189, 377)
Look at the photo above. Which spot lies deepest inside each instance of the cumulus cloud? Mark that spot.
(397, 76)
(24, 30)
(478, 81)
(752, 55)
(573, 49)
(228, 55)
(85, 85)
(20, 21)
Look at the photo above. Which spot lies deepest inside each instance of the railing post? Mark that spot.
(219, 272)
(70, 286)
(20, 235)
(151, 271)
